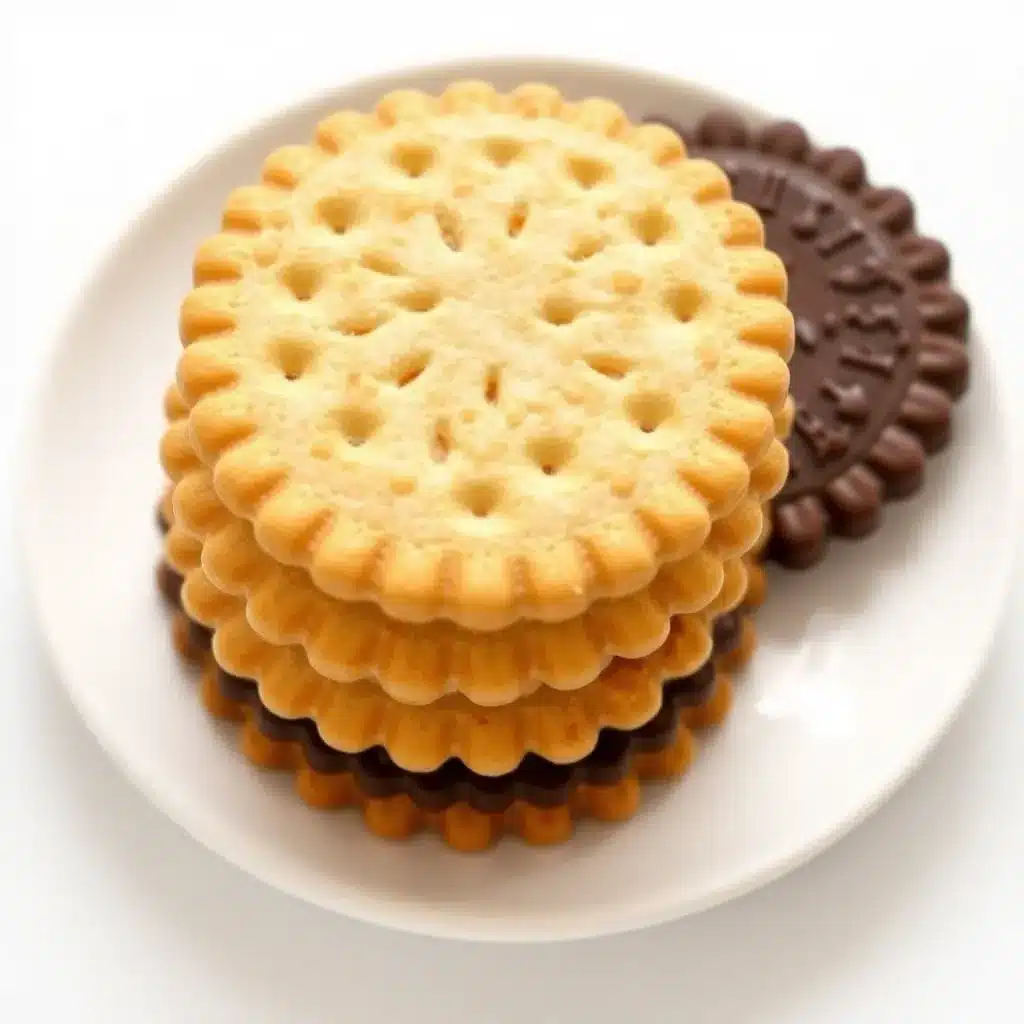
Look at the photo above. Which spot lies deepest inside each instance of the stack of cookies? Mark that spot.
(480, 401)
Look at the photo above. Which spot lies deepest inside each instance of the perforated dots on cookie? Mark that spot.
(293, 356)
(520, 327)
(338, 212)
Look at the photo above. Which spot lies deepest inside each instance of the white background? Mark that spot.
(109, 913)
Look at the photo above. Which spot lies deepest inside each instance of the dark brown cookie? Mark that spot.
(880, 355)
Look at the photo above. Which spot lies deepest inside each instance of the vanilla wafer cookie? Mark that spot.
(756, 580)
(418, 663)
(484, 357)
(541, 807)
(471, 810)
(421, 664)
(558, 725)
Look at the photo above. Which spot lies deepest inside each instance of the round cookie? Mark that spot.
(539, 800)
(880, 355)
(614, 349)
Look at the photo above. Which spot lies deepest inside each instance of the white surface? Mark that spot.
(916, 916)
(846, 693)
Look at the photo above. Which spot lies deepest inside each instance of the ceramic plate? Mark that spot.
(847, 693)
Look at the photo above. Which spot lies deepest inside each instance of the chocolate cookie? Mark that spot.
(880, 353)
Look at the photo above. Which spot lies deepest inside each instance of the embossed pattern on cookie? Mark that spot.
(880, 355)
(614, 346)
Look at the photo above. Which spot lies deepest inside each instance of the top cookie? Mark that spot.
(491, 357)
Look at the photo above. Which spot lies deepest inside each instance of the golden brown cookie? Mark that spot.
(614, 347)
(539, 800)
(418, 663)
(559, 725)
(459, 824)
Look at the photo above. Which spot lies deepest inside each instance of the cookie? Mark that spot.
(614, 348)
(559, 725)
(535, 779)
(418, 663)
(389, 811)
(539, 800)
(880, 356)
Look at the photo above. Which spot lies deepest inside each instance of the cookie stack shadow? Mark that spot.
(481, 402)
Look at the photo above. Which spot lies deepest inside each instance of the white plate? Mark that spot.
(864, 662)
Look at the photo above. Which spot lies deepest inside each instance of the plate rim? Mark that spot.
(393, 913)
